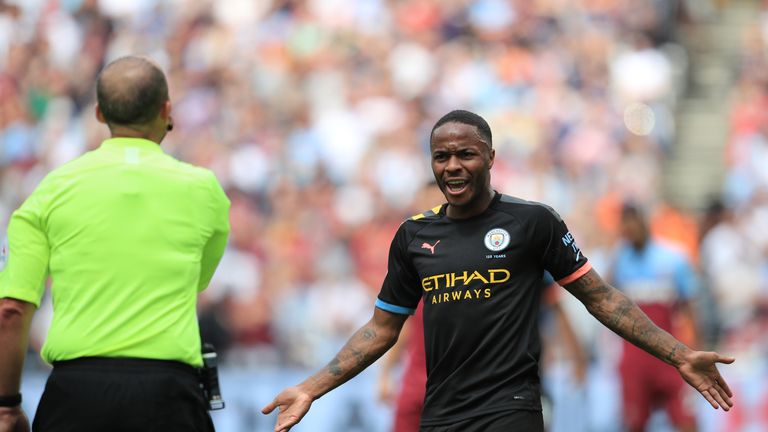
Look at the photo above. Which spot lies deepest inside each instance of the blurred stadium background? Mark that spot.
(315, 116)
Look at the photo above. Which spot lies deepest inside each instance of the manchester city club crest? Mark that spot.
(496, 239)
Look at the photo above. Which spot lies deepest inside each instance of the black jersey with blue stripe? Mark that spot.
(481, 280)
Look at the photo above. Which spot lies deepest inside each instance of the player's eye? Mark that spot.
(439, 157)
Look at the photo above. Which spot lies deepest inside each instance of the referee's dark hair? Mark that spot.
(131, 91)
(467, 118)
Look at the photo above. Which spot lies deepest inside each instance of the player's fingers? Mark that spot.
(719, 399)
(279, 427)
(270, 407)
(723, 394)
(724, 359)
(286, 423)
(709, 398)
(721, 382)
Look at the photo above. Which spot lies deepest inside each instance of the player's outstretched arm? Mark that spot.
(368, 343)
(620, 314)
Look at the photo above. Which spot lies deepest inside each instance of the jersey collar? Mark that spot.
(123, 142)
(496, 198)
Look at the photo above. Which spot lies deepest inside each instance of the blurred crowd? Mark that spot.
(315, 116)
(734, 247)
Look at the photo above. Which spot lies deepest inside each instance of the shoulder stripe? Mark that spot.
(431, 212)
(394, 308)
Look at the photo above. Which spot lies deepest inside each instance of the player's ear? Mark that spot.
(100, 115)
(492, 157)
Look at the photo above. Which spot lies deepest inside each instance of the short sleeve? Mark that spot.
(217, 242)
(220, 204)
(556, 246)
(400, 293)
(28, 253)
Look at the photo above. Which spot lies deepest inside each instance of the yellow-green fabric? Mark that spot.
(129, 236)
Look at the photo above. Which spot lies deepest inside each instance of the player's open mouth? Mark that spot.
(456, 186)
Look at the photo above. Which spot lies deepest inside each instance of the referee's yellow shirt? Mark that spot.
(129, 236)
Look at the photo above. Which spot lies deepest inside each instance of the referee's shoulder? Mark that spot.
(205, 180)
(67, 169)
(193, 171)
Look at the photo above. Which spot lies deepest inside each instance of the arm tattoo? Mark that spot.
(592, 284)
(620, 314)
(360, 356)
(622, 310)
(365, 346)
(671, 356)
(362, 349)
(334, 368)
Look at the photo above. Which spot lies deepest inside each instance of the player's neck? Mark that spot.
(477, 206)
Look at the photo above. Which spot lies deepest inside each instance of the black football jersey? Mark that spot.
(481, 281)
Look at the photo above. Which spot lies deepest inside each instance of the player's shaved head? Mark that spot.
(131, 91)
(467, 118)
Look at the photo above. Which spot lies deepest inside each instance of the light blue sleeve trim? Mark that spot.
(394, 309)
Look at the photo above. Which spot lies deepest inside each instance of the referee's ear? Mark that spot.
(99, 115)
(165, 112)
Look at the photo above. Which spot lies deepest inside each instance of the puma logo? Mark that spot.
(431, 248)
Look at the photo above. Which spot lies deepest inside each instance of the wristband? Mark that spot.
(10, 401)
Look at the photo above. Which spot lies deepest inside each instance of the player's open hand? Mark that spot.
(700, 371)
(13, 420)
(292, 404)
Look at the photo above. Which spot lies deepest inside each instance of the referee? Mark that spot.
(129, 236)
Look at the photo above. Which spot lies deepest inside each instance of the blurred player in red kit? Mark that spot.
(661, 281)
